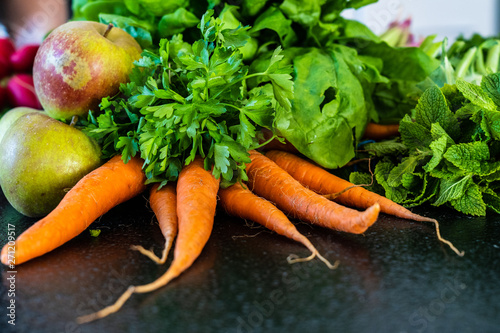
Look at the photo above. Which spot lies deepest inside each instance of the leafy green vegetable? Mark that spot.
(368, 80)
(185, 100)
(449, 155)
(137, 29)
(330, 92)
(148, 21)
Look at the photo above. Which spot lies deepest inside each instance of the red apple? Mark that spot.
(79, 63)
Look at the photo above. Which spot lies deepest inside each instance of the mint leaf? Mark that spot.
(432, 107)
(451, 189)
(472, 158)
(471, 202)
(407, 166)
(438, 148)
(411, 180)
(414, 135)
(492, 200)
(446, 170)
(382, 172)
(491, 124)
(475, 94)
(424, 188)
(437, 132)
(360, 178)
(387, 147)
(491, 86)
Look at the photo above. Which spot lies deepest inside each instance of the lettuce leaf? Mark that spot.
(327, 107)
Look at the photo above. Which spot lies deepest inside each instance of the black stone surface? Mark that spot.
(397, 277)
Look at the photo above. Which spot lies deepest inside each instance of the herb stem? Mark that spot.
(492, 58)
(248, 76)
(265, 142)
(231, 105)
(464, 64)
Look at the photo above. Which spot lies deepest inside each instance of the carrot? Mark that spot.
(102, 189)
(376, 131)
(164, 205)
(323, 182)
(241, 202)
(196, 202)
(268, 180)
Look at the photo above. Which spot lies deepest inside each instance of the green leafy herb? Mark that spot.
(95, 232)
(355, 78)
(449, 155)
(192, 99)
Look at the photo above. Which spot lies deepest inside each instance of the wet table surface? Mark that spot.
(397, 277)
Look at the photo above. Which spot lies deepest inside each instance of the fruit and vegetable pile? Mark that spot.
(260, 109)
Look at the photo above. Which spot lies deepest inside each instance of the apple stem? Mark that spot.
(74, 119)
(108, 29)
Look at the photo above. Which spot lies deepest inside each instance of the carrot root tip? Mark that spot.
(293, 258)
(447, 242)
(327, 263)
(107, 310)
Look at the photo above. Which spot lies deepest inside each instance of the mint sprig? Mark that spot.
(448, 151)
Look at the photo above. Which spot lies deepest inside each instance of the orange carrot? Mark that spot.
(164, 205)
(268, 180)
(241, 202)
(196, 202)
(323, 182)
(102, 189)
(376, 131)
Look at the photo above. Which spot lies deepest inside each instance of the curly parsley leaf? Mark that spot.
(185, 100)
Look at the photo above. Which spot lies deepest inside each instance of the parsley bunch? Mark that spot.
(186, 99)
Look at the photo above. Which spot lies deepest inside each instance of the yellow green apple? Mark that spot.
(41, 158)
(10, 116)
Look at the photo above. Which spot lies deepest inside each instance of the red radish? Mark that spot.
(21, 92)
(5, 67)
(6, 49)
(22, 60)
(3, 97)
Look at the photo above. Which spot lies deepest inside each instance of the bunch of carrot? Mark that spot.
(280, 185)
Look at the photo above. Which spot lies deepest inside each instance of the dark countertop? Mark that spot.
(397, 277)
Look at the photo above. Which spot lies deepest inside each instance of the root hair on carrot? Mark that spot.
(238, 200)
(196, 203)
(293, 258)
(108, 310)
(151, 255)
(441, 239)
(323, 182)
